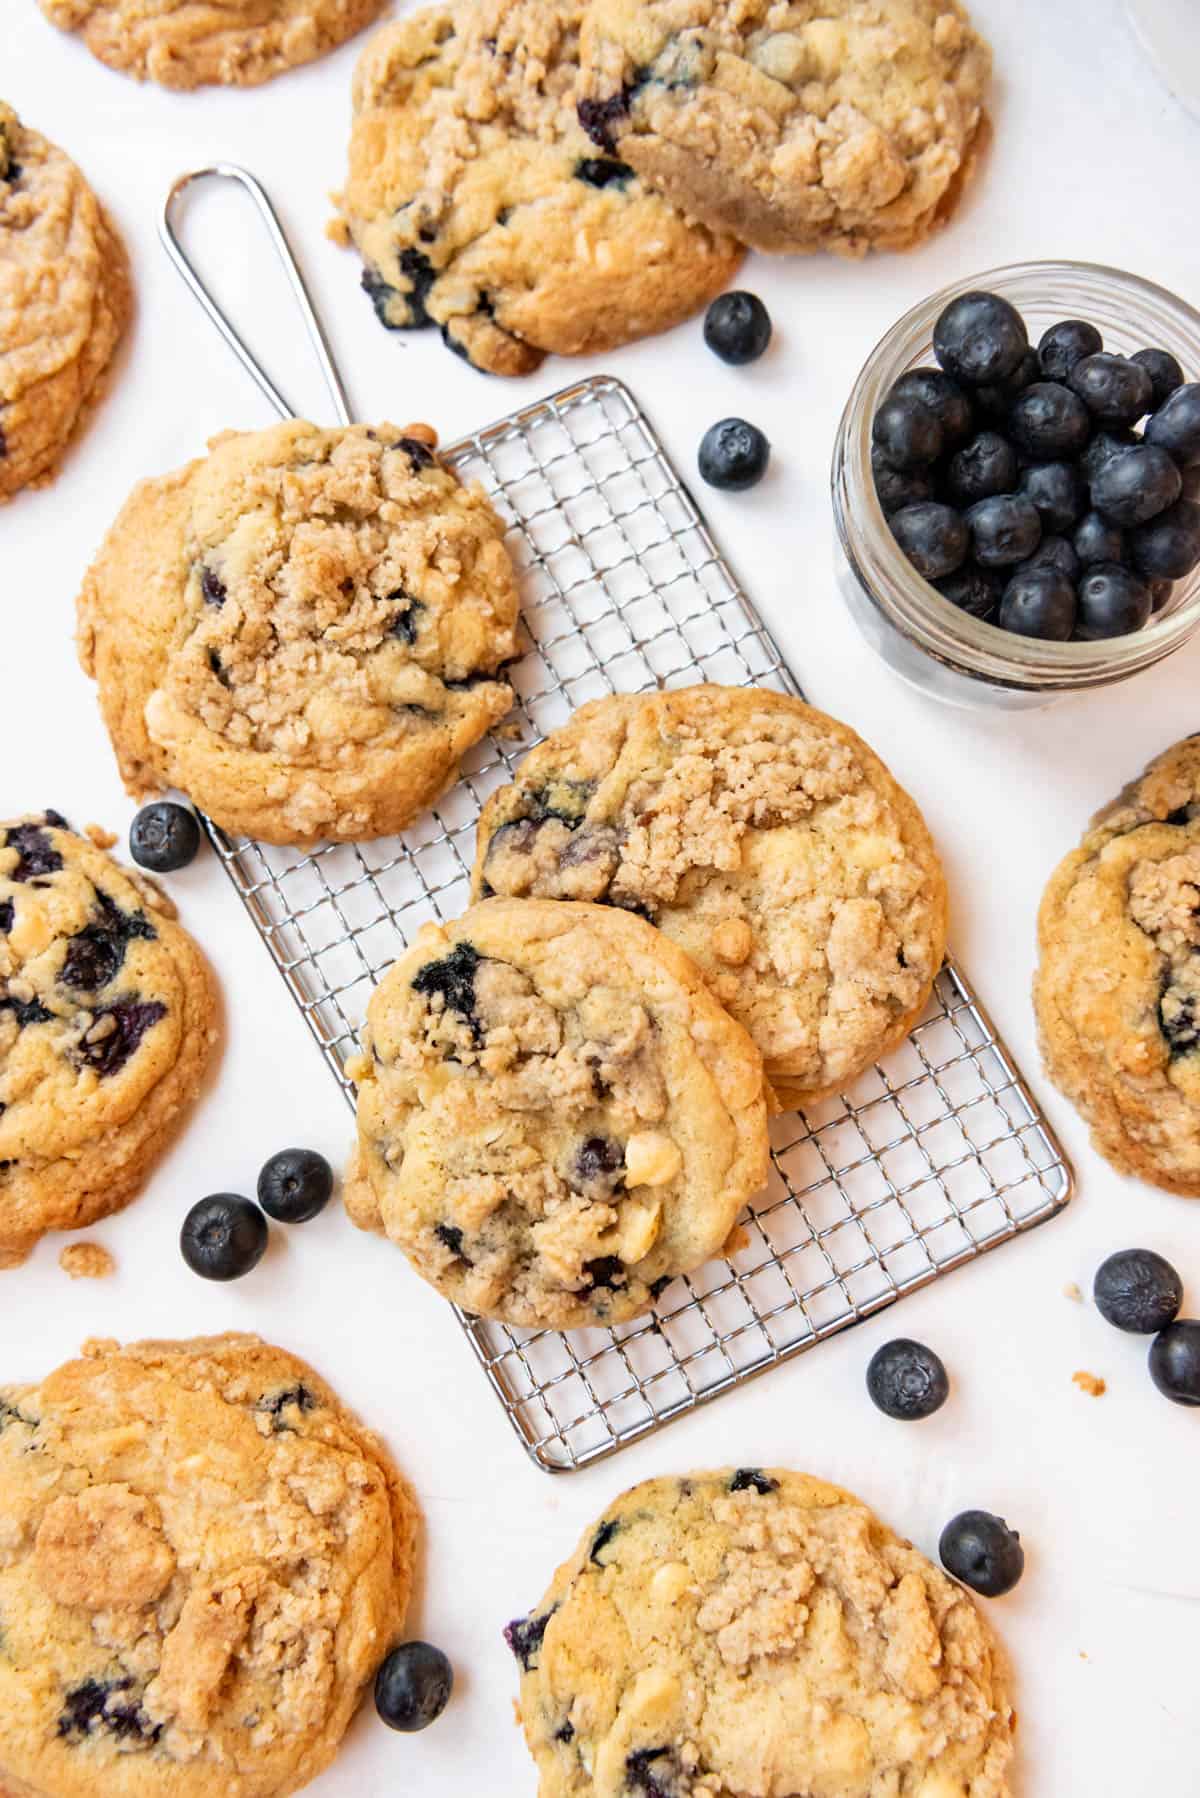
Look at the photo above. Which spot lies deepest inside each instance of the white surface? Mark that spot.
(1092, 159)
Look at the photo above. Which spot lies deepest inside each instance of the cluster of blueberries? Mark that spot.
(1015, 481)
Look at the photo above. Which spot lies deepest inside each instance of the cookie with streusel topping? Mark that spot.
(764, 838)
(757, 1633)
(1118, 984)
(555, 1117)
(304, 630)
(206, 1558)
(107, 1024)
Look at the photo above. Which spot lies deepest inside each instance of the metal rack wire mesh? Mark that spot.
(932, 1158)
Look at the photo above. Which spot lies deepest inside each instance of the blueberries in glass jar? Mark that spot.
(1114, 390)
(1096, 540)
(906, 432)
(1136, 484)
(737, 328)
(1164, 371)
(1168, 547)
(1048, 420)
(943, 397)
(979, 337)
(898, 487)
(982, 467)
(1053, 552)
(1160, 593)
(933, 537)
(1039, 602)
(1112, 602)
(734, 455)
(997, 398)
(1004, 529)
(1175, 426)
(1065, 344)
(973, 590)
(1103, 447)
(1057, 490)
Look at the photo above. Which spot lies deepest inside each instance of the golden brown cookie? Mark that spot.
(1118, 984)
(758, 1633)
(65, 300)
(764, 838)
(107, 1024)
(206, 1558)
(303, 631)
(845, 125)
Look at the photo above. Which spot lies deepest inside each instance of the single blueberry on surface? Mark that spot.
(295, 1185)
(1164, 371)
(1175, 425)
(973, 590)
(907, 1380)
(980, 1550)
(979, 337)
(1048, 420)
(1114, 390)
(1065, 344)
(1136, 484)
(1137, 1290)
(1096, 540)
(1175, 1362)
(1113, 601)
(933, 537)
(1053, 552)
(413, 1686)
(898, 487)
(1057, 490)
(1168, 547)
(1039, 602)
(223, 1237)
(164, 837)
(985, 466)
(907, 433)
(1004, 529)
(734, 455)
(940, 395)
(737, 328)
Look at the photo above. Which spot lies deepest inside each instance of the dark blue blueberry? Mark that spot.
(1164, 371)
(524, 1638)
(599, 1163)
(1168, 548)
(973, 590)
(1003, 530)
(454, 979)
(605, 1274)
(131, 1020)
(1049, 421)
(1179, 1019)
(1053, 552)
(603, 171)
(1039, 602)
(96, 954)
(36, 854)
(418, 453)
(907, 433)
(941, 396)
(1135, 485)
(381, 294)
(6, 916)
(164, 837)
(981, 1551)
(1057, 490)
(1175, 426)
(95, 1706)
(734, 455)
(1137, 1290)
(979, 337)
(1175, 1362)
(1114, 390)
(753, 1479)
(907, 1380)
(291, 1398)
(898, 487)
(996, 399)
(1191, 481)
(223, 1237)
(602, 1538)
(26, 1011)
(1160, 593)
(406, 623)
(1113, 601)
(737, 328)
(295, 1185)
(933, 537)
(212, 588)
(985, 466)
(600, 118)
(651, 1772)
(451, 1237)
(565, 1732)
(413, 1686)
(1096, 540)
(420, 274)
(1103, 447)
(1065, 344)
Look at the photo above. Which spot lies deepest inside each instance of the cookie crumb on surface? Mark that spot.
(86, 1260)
(1071, 1291)
(1090, 1383)
(96, 833)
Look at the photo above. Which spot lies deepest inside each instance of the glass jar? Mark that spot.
(926, 640)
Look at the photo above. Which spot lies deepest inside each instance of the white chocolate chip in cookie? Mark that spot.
(651, 1158)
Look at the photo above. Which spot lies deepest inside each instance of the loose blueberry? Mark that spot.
(907, 1380)
(1136, 484)
(898, 487)
(1175, 1362)
(933, 537)
(907, 433)
(1039, 602)
(981, 1551)
(1065, 344)
(1175, 426)
(413, 1686)
(1164, 371)
(1053, 552)
(973, 590)
(996, 398)
(979, 338)
(295, 1185)
(1057, 490)
(1048, 420)
(223, 1237)
(1112, 602)
(943, 397)
(1137, 1290)
(1096, 540)
(1114, 390)
(164, 837)
(1168, 548)
(1004, 529)
(737, 328)
(734, 455)
(985, 466)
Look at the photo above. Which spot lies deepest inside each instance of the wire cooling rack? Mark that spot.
(932, 1158)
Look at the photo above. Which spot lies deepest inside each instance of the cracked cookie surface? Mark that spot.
(555, 1117)
(479, 206)
(107, 1023)
(763, 837)
(800, 124)
(191, 43)
(65, 299)
(1118, 984)
(206, 1556)
(750, 1633)
(302, 630)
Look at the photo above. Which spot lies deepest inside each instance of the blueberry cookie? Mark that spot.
(191, 43)
(845, 125)
(302, 630)
(554, 1116)
(765, 839)
(760, 1634)
(65, 299)
(107, 1023)
(206, 1556)
(1118, 985)
(479, 206)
